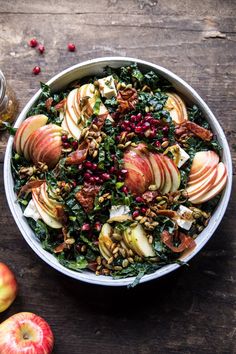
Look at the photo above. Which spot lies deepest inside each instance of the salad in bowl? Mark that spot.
(117, 174)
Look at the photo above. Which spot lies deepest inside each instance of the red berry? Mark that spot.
(112, 169)
(94, 167)
(41, 48)
(33, 42)
(87, 176)
(165, 130)
(146, 125)
(143, 210)
(66, 145)
(85, 227)
(36, 70)
(91, 179)
(135, 214)
(139, 116)
(138, 130)
(74, 144)
(97, 179)
(158, 144)
(71, 47)
(139, 199)
(64, 138)
(88, 164)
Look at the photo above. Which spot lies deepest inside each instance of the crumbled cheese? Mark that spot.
(107, 87)
(31, 211)
(118, 210)
(183, 157)
(185, 218)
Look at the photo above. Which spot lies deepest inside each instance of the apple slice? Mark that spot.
(136, 239)
(174, 172)
(50, 154)
(105, 241)
(167, 178)
(176, 107)
(202, 186)
(202, 161)
(73, 128)
(27, 127)
(157, 169)
(217, 187)
(71, 107)
(48, 219)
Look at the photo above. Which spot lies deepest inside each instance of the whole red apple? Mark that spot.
(25, 333)
(8, 287)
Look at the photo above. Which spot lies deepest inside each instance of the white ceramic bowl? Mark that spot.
(93, 67)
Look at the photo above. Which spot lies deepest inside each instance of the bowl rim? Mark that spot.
(104, 280)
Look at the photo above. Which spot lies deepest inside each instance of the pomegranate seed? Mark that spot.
(112, 169)
(74, 184)
(74, 145)
(71, 47)
(88, 164)
(152, 133)
(133, 118)
(139, 116)
(94, 167)
(139, 199)
(146, 125)
(66, 145)
(155, 122)
(135, 214)
(33, 42)
(165, 130)
(143, 210)
(97, 226)
(138, 130)
(125, 190)
(91, 179)
(41, 48)
(105, 176)
(158, 144)
(85, 227)
(64, 139)
(36, 70)
(87, 176)
(97, 179)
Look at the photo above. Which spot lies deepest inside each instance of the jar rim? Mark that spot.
(2, 86)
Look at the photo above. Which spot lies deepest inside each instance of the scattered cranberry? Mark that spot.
(97, 179)
(139, 116)
(71, 47)
(66, 145)
(138, 130)
(85, 227)
(91, 179)
(36, 70)
(74, 144)
(87, 176)
(135, 214)
(139, 199)
(88, 164)
(158, 144)
(94, 167)
(125, 190)
(33, 42)
(105, 176)
(143, 210)
(41, 48)
(64, 139)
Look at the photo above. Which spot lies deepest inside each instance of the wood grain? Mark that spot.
(192, 310)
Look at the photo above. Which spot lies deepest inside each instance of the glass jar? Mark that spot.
(8, 102)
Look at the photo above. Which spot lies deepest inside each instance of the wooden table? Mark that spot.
(192, 310)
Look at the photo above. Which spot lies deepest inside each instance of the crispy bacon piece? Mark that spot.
(60, 214)
(87, 195)
(48, 103)
(186, 242)
(188, 127)
(166, 212)
(60, 105)
(127, 99)
(79, 155)
(199, 131)
(27, 188)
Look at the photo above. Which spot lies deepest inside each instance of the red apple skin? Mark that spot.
(25, 333)
(8, 287)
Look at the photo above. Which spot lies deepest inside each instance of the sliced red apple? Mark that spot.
(27, 127)
(202, 161)
(176, 107)
(71, 108)
(217, 187)
(50, 153)
(202, 186)
(46, 217)
(157, 170)
(174, 172)
(168, 179)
